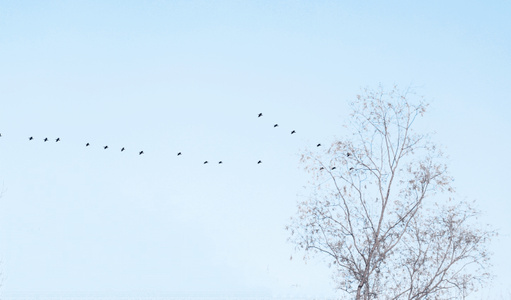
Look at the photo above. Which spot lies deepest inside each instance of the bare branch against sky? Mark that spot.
(386, 219)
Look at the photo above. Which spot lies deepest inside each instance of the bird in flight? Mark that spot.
(293, 132)
(333, 168)
(351, 168)
(122, 149)
(106, 147)
(276, 125)
(220, 162)
(58, 139)
(348, 154)
(322, 168)
(260, 115)
(87, 145)
(141, 152)
(259, 162)
(205, 162)
(179, 153)
(318, 145)
(30, 138)
(45, 139)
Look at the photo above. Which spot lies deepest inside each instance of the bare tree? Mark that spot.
(382, 211)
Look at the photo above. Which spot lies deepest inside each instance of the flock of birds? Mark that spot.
(86, 145)
(180, 153)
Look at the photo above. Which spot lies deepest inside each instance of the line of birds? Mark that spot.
(180, 153)
(86, 145)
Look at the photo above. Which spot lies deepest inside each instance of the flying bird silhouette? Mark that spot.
(205, 162)
(87, 145)
(351, 168)
(260, 115)
(293, 132)
(322, 168)
(333, 168)
(259, 162)
(179, 153)
(348, 154)
(220, 162)
(318, 145)
(31, 138)
(106, 147)
(58, 139)
(45, 139)
(122, 149)
(141, 152)
(276, 125)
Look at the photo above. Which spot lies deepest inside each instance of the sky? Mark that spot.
(191, 76)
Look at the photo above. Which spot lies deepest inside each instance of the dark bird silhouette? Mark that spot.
(205, 162)
(260, 115)
(58, 139)
(87, 145)
(220, 162)
(45, 139)
(321, 168)
(179, 153)
(318, 145)
(293, 132)
(122, 149)
(31, 138)
(106, 147)
(333, 168)
(259, 162)
(0, 135)
(348, 154)
(141, 152)
(352, 168)
(276, 125)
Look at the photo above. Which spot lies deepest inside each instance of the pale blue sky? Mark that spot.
(191, 76)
